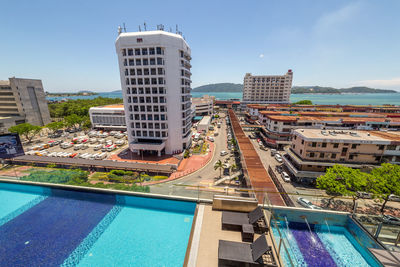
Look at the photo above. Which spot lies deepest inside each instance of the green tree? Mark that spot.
(27, 130)
(304, 102)
(54, 126)
(219, 165)
(73, 120)
(86, 124)
(233, 167)
(343, 181)
(385, 181)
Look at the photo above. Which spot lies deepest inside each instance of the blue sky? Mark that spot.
(70, 44)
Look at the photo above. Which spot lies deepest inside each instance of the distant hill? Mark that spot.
(331, 90)
(220, 87)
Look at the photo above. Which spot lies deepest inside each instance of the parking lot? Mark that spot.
(93, 145)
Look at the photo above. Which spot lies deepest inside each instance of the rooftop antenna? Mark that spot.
(176, 31)
(145, 26)
(119, 29)
(140, 28)
(124, 27)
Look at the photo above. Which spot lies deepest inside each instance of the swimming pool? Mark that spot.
(42, 226)
(324, 239)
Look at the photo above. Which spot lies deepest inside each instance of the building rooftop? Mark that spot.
(116, 106)
(4, 82)
(362, 136)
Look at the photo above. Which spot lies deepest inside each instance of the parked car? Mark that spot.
(273, 152)
(285, 177)
(278, 158)
(97, 147)
(365, 195)
(279, 168)
(393, 197)
(389, 219)
(223, 153)
(307, 204)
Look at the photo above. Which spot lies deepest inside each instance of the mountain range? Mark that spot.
(235, 87)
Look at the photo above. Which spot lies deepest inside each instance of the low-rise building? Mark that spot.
(111, 117)
(313, 151)
(203, 105)
(22, 100)
(204, 124)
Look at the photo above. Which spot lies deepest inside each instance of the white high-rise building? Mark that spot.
(155, 80)
(267, 89)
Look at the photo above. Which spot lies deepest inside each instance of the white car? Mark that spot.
(223, 153)
(278, 158)
(285, 177)
(307, 204)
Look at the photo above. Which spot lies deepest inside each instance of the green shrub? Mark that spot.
(159, 177)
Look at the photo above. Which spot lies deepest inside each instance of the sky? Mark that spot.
(70, 45)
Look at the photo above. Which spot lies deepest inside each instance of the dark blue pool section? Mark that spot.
(47, 233)
(312, 248)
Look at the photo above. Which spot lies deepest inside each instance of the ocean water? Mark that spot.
(321, 99)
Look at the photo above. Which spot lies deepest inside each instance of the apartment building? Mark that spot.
(313, 151)
(266, 89)
(22, 100)
(155, 80)
(203, 105)
(111, 117)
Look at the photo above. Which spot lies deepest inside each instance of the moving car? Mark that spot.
(223, 153)
(307, 204)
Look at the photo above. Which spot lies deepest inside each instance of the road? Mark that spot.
(204, 178)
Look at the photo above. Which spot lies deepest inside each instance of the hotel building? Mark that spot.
(203, 105)
(313, 151)
(22, 100)
(267, 89)
(155, 80)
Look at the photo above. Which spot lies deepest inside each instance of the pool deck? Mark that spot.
(386, 258)
(211, 233)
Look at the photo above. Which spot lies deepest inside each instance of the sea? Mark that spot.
(320, 99)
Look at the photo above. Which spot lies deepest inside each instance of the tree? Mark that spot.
(304, 102)
(219, 165)
(54, 126)
(385, 181)
(343, 181)
(233, 167)
(74, 120)
(27, 130)
(86, 124)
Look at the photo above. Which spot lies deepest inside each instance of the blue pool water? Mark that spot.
(322, 247)
(53, 227)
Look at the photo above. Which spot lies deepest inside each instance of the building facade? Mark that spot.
(203, 105)
(155, 80)
(22, 100)
(110, 117)
(313, 151)
(267, 89)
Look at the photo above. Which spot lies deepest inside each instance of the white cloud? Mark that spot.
(393, 83)
(261, 56)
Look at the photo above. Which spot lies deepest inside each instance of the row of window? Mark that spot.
(148, 108)
(142, 51)
(148, 117)
(109, 120)
(145, 71)
(149, 125)
(147, 99)
(146, 90)
(139, 133)
(144, 81)
(143, 62)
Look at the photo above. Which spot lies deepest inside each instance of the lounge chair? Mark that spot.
(257, 253)
(235, 220)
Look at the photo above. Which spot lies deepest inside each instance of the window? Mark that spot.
(144, 51)
(312, 154)
(351, 157)
(314, 144)
(321, 155)
(137, 52)
(152, 61)
(302, 142)
(159, 61)
(131, 62)
(145, 61)
(139, 40)
(335, 145)
(123, 52)
(138, 62)
(130, 52)
(153, 72)
(323, 145)
(149, 117)
(151, 51)
(139, 71)
(158, 49)
(381, 147)
(333, 156)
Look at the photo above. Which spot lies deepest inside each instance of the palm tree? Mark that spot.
(219, 165)
(233, 167)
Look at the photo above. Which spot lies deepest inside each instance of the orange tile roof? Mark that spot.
(114, 106)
